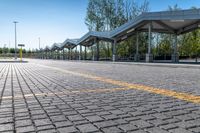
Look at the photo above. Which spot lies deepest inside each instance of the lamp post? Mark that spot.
(39, 42)
(15, 22)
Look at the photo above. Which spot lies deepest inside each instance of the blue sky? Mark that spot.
(55, 20)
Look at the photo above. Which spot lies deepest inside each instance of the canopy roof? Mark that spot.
(47, 48)
(175, 22)
(56, 46)
(69, 43)
(89, 38)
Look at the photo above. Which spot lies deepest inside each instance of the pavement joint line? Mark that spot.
(161, 91)
(67, 92)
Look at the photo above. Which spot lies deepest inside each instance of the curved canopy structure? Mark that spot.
(56, 46)
(69, 43)
(174, 22)
(89, 38)
(47, 48)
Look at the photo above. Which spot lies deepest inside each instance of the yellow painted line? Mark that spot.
(170, 93)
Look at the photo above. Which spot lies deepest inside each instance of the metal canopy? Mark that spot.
(176, 22)
(47, 48)
(173, 22)
(69, 43)
(89, 38)
(56, 46)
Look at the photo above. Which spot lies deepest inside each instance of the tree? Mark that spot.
(12, 50)
(105, 15)
(1, 50)
(174, 8)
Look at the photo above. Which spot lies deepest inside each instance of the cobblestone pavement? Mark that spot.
(59, 96)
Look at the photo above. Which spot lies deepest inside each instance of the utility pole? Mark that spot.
(15, 22)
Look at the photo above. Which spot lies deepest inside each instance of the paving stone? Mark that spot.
(48, 131)
(67, 130)
(157, 130)
(4, 120)
(63, 124)
(104, 124)
(25, 129)
(95, 118)
(45, 127)
(20, 123)
(110, 117)
(87, 128)
(128, 127)
(169, 126)
(141, 124)
(75, 118)
(81, 122)
(180, 130)
(112, 130)
(138, 131)
(195, 130)
(6, 127)
(42, 122)
(187, 124)
(58, 118)
(120, 121)
(158, 122)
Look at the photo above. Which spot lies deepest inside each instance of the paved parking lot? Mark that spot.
(61, 96)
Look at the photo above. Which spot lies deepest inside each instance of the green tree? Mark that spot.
(1, 50)
(12, 50)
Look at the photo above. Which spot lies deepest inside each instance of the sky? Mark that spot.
(55, 20)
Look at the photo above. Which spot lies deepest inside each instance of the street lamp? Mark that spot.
(39, 42)
(15, 22)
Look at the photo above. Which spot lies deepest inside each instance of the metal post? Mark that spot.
(92, 52)
(114, 50)
(76, 53)
(149, 57)
(63, 53)
(97, 43)
(175, 56)
(15, 22)
(136, 58)
(69, 53)
(80, 52)
(85, 53)
(39, 42)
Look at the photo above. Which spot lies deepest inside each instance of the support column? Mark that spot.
(63, 53)
(85, 53)
(149, 56)
(97, 49)
(80, 53)
(137, 56)
(76, 54)
(114, 50)
(60, 54)
(70, 54)
(57, 54)
(92, 53)
(175, 56)
(45, 54)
